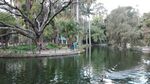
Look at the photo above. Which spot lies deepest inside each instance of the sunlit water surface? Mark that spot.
(91, 67)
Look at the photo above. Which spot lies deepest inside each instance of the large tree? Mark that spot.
(36, 14)
(122, 26)
(145, 25)
(89, 8)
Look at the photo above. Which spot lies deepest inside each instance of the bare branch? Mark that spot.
(55, 1)
(10, 11)
(48, 13)
(24, 33)
(21, 14)
(42, 4)
(50, 18)
(20, 30)
(9, 33)
(2, 3)
(63, 8)
(36, 19)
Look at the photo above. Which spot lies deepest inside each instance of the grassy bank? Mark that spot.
(25, 48)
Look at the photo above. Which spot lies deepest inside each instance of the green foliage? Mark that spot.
(20, 21)
(91, 7)
(34, 18)
(68, 27)
(146, 19)
(147, 22)
(145, 28)
(98, 29)
(30, 11)
(48, 32)
(52, 46)
(35, 8)
(22, 48)
(85, 7)
(7, 18)
(122, 26)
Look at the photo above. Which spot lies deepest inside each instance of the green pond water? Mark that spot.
(91, 67)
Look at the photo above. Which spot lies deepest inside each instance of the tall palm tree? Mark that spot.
(86, 11)
(77, 17)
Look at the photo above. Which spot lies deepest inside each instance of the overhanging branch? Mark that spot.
(50, 18)
(63, 8)
(21, 14)
(48, 14)
(36, 19)
(10, 11)
(25, 32)
(6, 34)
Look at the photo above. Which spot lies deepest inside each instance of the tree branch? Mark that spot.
(50, 18)
(63, 8)
(55, 1)
(10, 11)
(20, 30)
(36, 19)
(1, 3)
(6, 34)
(24, 33)
(48, 13)
(21, 14)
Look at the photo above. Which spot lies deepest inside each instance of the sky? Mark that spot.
(142, 5)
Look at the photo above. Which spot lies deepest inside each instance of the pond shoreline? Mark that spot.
(43, 53)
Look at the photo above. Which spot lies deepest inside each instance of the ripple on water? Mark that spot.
(133, 76)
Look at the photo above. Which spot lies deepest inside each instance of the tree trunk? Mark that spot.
(69, 42)
(77, 19)
(56, 32)
(89, 32)
(124, 45)
(57, 38)
(86, 38)
(77, 11)
(39, 43)
(86, 31)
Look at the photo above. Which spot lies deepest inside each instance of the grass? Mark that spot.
(24, 47)
(27, 47)
(19, 48)
(52, 46)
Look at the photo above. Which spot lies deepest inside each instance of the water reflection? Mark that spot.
(116, 67)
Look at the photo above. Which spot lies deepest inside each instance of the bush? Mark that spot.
(22, 47)
(52, 46)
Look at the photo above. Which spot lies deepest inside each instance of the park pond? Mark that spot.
(93, 66)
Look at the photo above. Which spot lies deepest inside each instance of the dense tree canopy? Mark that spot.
(145, 26)
(98, 30)
(122, 26)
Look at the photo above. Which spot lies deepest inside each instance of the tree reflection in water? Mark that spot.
(87, 68)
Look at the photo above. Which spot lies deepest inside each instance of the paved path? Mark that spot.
(45, 53)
